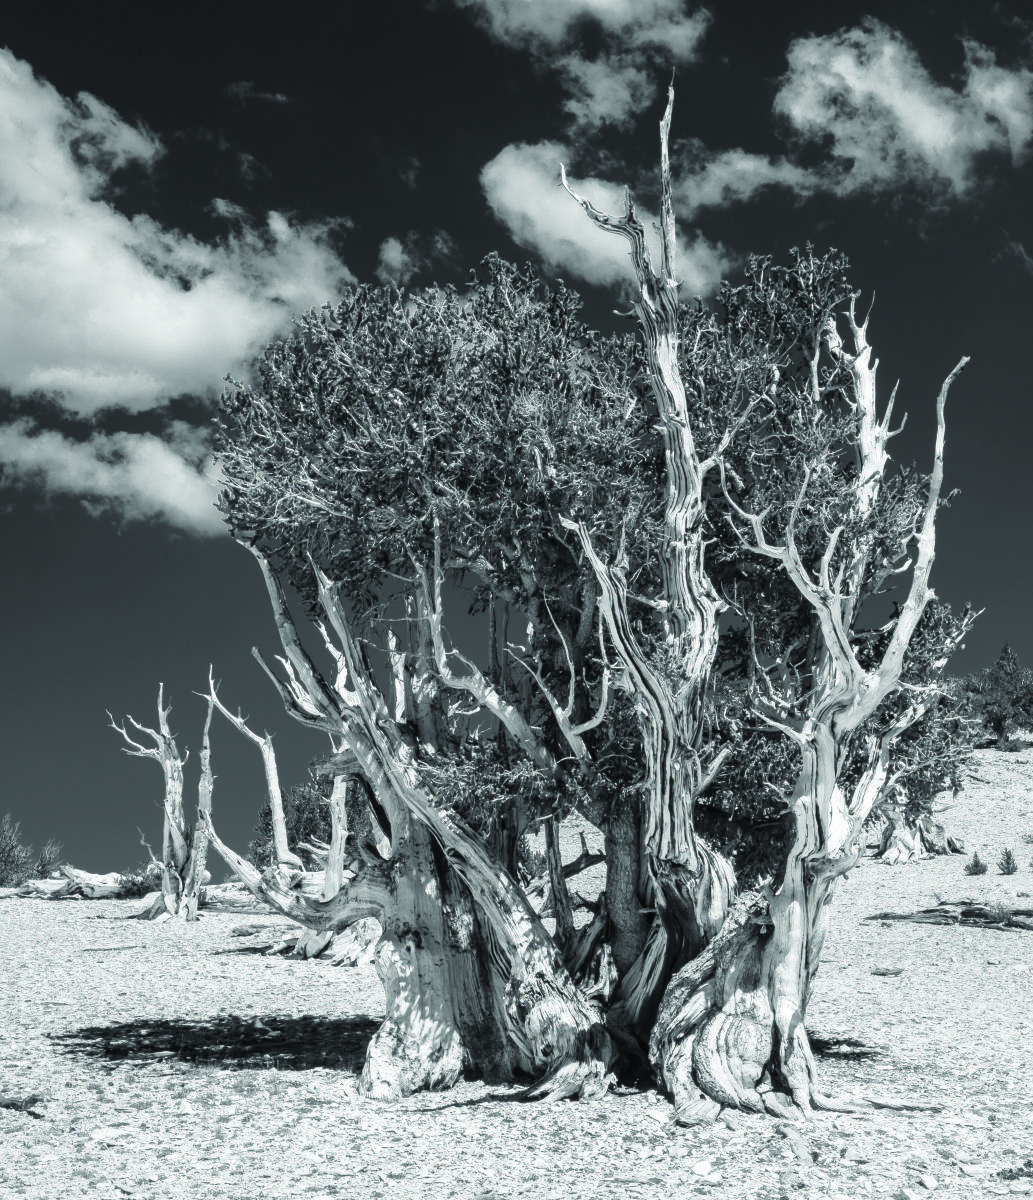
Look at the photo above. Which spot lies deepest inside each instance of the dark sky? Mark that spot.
(170, 194)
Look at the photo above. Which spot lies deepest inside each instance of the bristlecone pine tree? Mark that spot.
(184, 847)
(491, 442)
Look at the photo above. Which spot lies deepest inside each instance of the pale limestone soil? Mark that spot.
(953, 1030)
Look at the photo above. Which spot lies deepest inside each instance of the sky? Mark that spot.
(171, 195)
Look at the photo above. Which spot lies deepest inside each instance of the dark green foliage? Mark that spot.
(744, 813)
(306, 815)
(1002, 696)
(930, 756)
(487, 790)
(490, 415)
(975, 865)
(1006, 864)
(138, 882)
(496, 412)
(17, 861)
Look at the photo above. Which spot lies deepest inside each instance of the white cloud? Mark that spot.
(396, 264)
(399, 261)
(522, 186)
(641, 39)
(864, 96)
(135, 476)
(889, 121)
(98, 308)
(736, 175)
(606, 91)
(640, 22)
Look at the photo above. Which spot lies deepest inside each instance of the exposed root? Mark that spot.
(842, 1104)
(729, 1056)
(776, 1104)
(583, 1080)
(700, 1110)
(567, 1037)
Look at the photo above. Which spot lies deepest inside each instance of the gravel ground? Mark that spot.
(183, 1062)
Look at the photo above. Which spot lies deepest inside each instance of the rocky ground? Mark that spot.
(183, 1061)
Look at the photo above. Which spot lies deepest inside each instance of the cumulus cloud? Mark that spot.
(890, 121)
(639, 22)
(606, 91)
(522, 186)
(99, 308)
(395, 263)
(640, 39)
(131, 475)
(104, 309)
(400, 260)
(736, 175)
(864, 96)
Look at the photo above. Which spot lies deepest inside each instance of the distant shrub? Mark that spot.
(48, 859)
(1002, 695)
(1006, 864)
(306, 814)
(17, 861)
(135, 887)
(975, 865)
(533, 861)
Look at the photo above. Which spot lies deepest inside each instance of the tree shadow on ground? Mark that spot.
(842, 1049)
(231, 1042)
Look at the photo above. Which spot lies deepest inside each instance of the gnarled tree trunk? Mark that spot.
(732, 1028)
(470, 974)
(655, 848)
(184, 849)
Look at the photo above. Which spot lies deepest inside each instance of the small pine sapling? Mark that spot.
(1006, 864)
(975, 866)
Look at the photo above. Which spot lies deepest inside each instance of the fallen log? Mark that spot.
(965, 912)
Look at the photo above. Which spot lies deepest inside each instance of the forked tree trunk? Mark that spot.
(655, 848)
(184, 850)
(732, 1026)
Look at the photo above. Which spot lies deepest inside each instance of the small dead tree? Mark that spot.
(310, 943)
(183, 848)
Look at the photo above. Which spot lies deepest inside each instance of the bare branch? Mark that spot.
(473, 681)
(604, 694)
(284, 856)
(368, 895)
(920, 594)
(309, 695)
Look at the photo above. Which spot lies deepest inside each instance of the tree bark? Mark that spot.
(469, 972)
(182, 864)
(732, 1024)
(687, 885)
